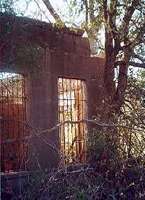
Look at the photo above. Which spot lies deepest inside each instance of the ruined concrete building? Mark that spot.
(47, 77)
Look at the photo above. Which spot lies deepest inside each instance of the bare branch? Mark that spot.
(131, 63)
(139, 57)
(41, 10)
(128, 15)
(37, 132)
(52, 11)
(135, 64)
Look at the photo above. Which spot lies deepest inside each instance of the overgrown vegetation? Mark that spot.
(116, 160)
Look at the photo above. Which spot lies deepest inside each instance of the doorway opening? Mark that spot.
(72, 110)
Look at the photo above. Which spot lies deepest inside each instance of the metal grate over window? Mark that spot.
(72, 103)
(12, 116)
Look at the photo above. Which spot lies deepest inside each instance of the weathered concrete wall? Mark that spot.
(66, 55)
(44, 95)
(22, 39)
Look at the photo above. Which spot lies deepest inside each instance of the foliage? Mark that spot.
(132, 116)
(108, 182)
(122, 183)
(141, 78)
(7, 6)
(106, 178)
(102, 145)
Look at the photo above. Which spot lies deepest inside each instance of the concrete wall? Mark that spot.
(67, 56)
(43, 95)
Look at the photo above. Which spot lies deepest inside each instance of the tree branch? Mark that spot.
(140, 36)
(52, 11)
(128, 15)
(86, 13)
(139, 57)
(131, 63)
(139, 65)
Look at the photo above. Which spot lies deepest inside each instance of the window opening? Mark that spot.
(12, 116)
(72, 106)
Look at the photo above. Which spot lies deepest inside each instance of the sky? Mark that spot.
(37, 9)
